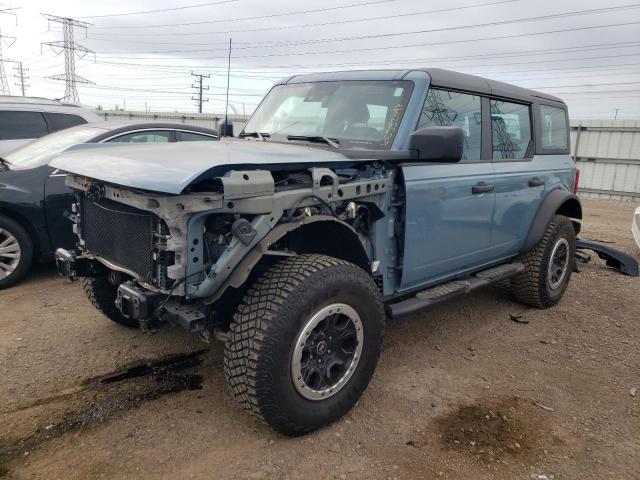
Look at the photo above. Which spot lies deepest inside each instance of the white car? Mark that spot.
(25, 118)
(635, 226)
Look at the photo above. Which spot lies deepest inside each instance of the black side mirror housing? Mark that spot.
(226, 129)
(438, 144)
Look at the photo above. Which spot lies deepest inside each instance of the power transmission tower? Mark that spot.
(4, 84)
(502, 141)
(199, 90)
(21, 77)
(438, 112)
(70, 49)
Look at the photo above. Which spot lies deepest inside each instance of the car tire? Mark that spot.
(16, 252)
(288, 316)
(102, 294)
(548, 266)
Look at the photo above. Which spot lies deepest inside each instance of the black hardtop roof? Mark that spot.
(439, 78)
(465, 81)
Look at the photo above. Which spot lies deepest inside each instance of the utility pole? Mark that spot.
(616, 114)
(199, 89)
(70, 49)
(226, 108)
(21, 77)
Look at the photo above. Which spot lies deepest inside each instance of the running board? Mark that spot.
(456, 288)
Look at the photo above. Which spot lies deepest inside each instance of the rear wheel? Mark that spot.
(304, 342)
(548, 266)
(101, 292)
(16, 252)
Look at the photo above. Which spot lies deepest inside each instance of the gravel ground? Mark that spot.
(461, 391)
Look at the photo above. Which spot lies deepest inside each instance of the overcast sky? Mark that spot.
(590, 59)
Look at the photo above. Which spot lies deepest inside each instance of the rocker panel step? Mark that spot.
(456, 288)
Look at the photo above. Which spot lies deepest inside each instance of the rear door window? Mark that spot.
(151, 136)
(554, 127)
(510, 130)
(16, 125)
(445, 108)
(60, 121)
(193, 137)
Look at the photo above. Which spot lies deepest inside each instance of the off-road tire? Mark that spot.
(102, 294)
(26, 251)
(262, 337)
(531, 287)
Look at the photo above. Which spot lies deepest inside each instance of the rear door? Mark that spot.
(449, 207)
(19, 127)
(521, 179)
(60, 121)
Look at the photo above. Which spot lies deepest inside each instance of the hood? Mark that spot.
(170, 168)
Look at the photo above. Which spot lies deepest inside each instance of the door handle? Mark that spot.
(482, 188)
(536, 182)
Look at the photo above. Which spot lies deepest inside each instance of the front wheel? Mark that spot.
(102, 292)
(16, 252)
(548, 266)
(304, 342)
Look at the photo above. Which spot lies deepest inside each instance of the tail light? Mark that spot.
(575, 182)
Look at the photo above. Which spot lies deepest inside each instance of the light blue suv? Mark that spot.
(350, 198)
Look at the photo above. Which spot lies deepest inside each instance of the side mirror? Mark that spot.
(226, 129)
(438, 144)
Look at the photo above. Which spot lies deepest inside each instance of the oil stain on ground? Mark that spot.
(493, 430)
(97, 399)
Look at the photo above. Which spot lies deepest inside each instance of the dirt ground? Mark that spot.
(461, 392)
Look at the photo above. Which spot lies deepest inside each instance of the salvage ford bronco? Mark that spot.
(349, 198)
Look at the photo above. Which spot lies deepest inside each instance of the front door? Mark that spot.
(449, 207)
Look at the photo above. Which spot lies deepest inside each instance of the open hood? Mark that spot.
(170, 168)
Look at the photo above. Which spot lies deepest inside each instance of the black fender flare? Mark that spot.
(244, 268)
(556, 201)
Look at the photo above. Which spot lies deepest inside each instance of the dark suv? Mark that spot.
(352, 197)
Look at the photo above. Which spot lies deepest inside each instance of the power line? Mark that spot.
(386, 35)
(161, 10)
(70, 49)
(259, 17)
(395, 47)
(339, 22)
(588, 85)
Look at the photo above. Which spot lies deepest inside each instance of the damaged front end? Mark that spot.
(184, 259)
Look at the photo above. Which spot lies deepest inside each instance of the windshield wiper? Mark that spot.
(261, 135)
(5, 163)
(332, 142)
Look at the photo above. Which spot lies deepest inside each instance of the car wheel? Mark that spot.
(101, 292)
(16, 252)
(548, 266)
(305, 342)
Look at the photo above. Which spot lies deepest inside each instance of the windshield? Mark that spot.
(39, 152)
(358, 114)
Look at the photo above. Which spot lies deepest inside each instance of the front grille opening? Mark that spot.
(122, 234)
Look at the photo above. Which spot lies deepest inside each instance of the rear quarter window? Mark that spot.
(15, 125)
(554, 127)
(60, 121)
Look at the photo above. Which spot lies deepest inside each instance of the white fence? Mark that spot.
(607, 152)
(209, 120)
